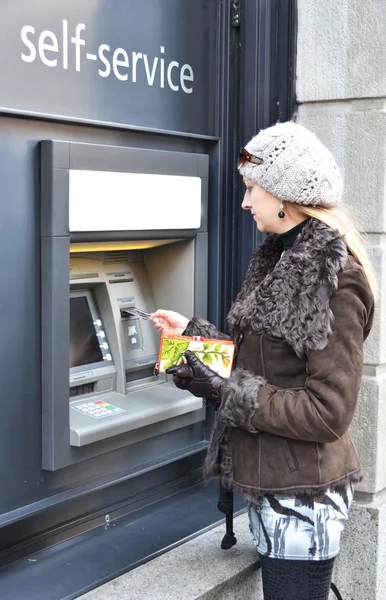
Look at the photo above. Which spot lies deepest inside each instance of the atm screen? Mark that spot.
(84, 343)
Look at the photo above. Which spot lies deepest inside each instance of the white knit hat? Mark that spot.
(296, 166)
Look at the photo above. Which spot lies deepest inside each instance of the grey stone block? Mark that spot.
(375, 347)
(198, 569)
(368, 431)
(355, 132)
(341, 51)
(244, 586)
(360, 568)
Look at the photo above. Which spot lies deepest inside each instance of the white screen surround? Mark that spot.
(110, 201)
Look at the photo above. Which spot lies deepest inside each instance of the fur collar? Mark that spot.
(289, 296)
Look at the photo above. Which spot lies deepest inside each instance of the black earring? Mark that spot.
(281, 214)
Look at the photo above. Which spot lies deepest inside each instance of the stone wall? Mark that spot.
(341, 95)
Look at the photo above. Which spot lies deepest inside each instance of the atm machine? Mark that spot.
(122, 229)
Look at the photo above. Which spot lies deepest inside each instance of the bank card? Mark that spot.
(136, 312)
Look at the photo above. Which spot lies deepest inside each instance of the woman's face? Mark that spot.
(264, 206)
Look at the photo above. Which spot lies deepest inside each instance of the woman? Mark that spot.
(299, 323)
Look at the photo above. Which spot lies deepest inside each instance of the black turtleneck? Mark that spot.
(286, 239)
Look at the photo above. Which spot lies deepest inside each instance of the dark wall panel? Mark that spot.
(118, 61)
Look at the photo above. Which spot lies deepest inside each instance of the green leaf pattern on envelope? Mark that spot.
(173, 351)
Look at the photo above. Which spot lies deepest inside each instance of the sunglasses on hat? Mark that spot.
(246, 156)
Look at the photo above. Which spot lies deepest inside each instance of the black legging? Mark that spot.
(296, 579)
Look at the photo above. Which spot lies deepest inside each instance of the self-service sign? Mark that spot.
(147, 64)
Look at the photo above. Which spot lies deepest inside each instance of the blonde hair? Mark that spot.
(337, 219)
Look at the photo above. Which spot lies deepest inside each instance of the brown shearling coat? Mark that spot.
(299, 324)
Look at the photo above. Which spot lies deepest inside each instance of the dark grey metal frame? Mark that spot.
(57, 159)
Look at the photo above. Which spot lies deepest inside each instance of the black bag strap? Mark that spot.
(225, 505)
(336, 591)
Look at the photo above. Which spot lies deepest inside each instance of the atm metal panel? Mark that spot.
(60, 441)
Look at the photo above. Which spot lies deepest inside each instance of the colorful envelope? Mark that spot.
(217, 354)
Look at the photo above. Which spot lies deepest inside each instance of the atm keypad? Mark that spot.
(98, 409)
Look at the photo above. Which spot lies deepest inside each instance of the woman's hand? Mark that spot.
(199, 379)
(169, 322)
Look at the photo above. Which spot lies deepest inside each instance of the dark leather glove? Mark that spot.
(198, 379)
